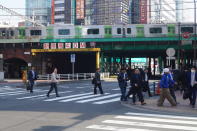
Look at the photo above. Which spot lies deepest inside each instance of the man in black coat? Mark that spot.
(32, 77)
(98, 82)
(136, 83)
(145, 76)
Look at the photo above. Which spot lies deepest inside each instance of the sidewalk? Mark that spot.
(151, 104)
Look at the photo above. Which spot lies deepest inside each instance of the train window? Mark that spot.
(119, 31)
(108, 30)
(155, 30)
(128, 30)
(35, 32)
(12, 33)
(93, 31)
(64, 31)
(3, 33)
(171, 29)
(187, 29)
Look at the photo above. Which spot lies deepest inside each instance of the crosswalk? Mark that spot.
(66, 96)
(147, 122)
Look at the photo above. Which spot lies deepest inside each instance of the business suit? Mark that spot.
(98, 83)
(146, 77)
(32, 76)
(192, 87)
(136, 83)
(122, 81)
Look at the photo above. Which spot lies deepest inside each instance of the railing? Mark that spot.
(77, 76)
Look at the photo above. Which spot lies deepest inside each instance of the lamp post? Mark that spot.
(194, 44)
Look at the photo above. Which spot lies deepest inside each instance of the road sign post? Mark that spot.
(170, 52)
(72, 59)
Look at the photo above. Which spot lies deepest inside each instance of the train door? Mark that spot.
(171, 30)
(140, 30)
(78, 32)
(108, 31)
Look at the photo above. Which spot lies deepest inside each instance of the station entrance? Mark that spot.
(86, 60)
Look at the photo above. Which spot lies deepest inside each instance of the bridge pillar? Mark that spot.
(97, 59)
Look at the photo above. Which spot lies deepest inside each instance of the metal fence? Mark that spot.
(77, 76)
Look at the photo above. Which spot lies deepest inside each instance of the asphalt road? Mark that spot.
(79, 110)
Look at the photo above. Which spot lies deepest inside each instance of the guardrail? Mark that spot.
(76, 76)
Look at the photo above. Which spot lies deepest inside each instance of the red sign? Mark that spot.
(82, 45)
(80, 5)
(53, 46)
(143, 12)
(60, 45)
(75, 45)
(46, 45)
(67, 45)
(186, 35)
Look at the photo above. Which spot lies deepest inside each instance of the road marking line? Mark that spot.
(115, 128)
(107, 101)
(78, 98)
(60, 98)
(157, 120)
(153, 125)
(162, 116)
(29, 97)
(99, 98)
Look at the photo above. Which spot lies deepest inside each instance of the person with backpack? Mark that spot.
(165, 84)
(122, 81)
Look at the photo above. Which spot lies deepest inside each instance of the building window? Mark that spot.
(64, 31)
(119, 31)
(187, 29)
(35, 32)
(155, 30)
(93, 31)
(128, 30)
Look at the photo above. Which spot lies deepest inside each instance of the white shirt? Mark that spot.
(192, 78)
(33, 74)
(53, 78)
(146, 77)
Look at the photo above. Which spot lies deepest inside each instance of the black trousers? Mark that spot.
(172, 93)
(53, 85)
(100, 88)
(123, 93)
(147, 88)
(138, 91)
(31, 85)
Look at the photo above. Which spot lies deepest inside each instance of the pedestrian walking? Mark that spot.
(192, 85)
(165, 92)
(146, 78)
(98, 82)
(53, 83)
(122, 81)
(172, 84)
(136, 83)
(32, 77)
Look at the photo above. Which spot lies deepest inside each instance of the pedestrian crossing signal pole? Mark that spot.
(72, 58)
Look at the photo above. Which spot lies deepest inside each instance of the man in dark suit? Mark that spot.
(98, 82)
(136, 83)
(122, 81)
(145, 76)
(32, 77)
(192, 83)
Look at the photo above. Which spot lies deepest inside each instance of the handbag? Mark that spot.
(186, 94)
(94, 81)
